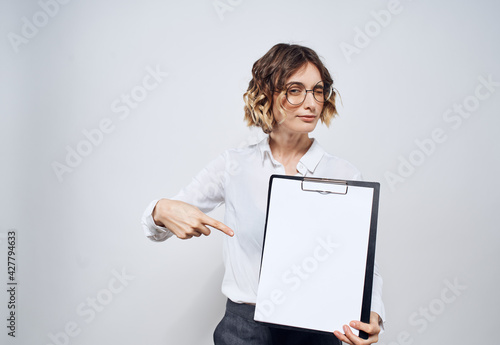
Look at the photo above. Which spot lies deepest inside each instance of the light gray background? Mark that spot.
(439, 223)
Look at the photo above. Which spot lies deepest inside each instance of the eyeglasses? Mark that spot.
(296, 93)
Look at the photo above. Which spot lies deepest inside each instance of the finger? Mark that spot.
(184, 236)
(353, 338)
(206, 231)
(356, 340)
(342, 337)
(369, 328)
(348, 333)
(218, 225)
(202, 229)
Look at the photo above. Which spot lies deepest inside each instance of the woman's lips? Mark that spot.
(308, 118)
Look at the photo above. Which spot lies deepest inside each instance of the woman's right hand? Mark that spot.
(185, 220)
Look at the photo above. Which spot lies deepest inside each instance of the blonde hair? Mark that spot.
(269, 75)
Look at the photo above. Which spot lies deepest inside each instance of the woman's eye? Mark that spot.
(295, 91)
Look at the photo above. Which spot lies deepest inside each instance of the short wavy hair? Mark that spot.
(269, 74)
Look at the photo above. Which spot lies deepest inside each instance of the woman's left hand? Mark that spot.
(372, 329)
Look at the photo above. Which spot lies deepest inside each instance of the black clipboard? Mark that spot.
(318, 254)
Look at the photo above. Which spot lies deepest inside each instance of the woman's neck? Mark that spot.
(286, 147)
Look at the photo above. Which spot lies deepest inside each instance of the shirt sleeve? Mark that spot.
(205, 191)
(377, 303)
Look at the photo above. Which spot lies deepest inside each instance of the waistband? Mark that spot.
(246, 311)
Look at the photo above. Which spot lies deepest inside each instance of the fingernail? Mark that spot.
(345, 328)
(353, 324)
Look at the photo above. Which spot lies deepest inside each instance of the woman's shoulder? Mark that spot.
(249, 146)
(339, 167)
(339, 161)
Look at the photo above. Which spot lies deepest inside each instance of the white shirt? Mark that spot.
(240, 179)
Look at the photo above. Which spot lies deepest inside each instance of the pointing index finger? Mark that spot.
(218, 225)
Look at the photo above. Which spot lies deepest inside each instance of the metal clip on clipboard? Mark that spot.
(323, 185)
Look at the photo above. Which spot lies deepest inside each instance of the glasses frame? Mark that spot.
(306, 91)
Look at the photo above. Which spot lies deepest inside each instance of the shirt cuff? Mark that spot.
(151, 230)
(378, 307)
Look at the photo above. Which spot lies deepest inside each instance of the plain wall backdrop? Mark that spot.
(420, 87)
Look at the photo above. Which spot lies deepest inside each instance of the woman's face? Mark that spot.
(304, 117)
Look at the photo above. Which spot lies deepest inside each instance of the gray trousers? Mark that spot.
(237, 327)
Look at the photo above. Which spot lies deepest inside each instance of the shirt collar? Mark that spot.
(309, 161)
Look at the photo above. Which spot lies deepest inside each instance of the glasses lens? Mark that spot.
(295, 94)
(319, 92)
(322, 92)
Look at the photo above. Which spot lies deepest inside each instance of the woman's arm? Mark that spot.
(184, 214)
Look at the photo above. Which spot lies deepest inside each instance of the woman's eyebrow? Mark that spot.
(301, 83)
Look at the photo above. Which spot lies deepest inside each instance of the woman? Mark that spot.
(290, 91)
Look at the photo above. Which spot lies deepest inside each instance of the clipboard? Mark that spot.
(318, 255)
